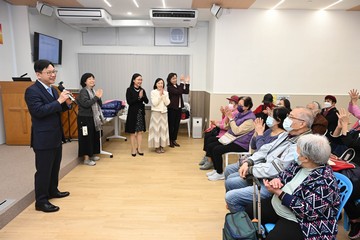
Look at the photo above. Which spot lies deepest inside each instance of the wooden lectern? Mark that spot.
(17, 119)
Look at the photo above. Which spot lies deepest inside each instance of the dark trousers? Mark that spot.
(47, 163)
(209, 139)
(351, 209)
(284, 229)
(215, 150)
(90, 144)
(174, 116)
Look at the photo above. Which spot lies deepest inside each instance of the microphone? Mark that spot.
(23, 75)
(62, 88)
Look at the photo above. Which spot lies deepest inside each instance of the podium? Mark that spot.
(17, 119)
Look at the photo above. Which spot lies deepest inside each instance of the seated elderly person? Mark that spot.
(306, 196)
(218, 129)
(284, 102)
(320, 124)
(241, 127)
(268, 161)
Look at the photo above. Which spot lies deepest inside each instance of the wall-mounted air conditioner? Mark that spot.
(174, 17)
(84, 17)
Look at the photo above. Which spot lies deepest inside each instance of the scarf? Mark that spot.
(97, 113)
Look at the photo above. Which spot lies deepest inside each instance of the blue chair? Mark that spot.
(345, 188)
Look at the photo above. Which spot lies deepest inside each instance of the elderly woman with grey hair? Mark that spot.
(306, 195)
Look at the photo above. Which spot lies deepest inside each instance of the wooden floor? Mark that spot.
(156, 196)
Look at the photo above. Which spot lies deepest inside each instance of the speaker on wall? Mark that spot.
(216, 10)
(44, 9)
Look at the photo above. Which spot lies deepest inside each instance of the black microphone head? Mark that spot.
(61, 87)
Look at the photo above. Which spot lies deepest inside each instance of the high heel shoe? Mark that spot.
(140, 153)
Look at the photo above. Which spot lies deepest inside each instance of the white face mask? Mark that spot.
(270, 121)
(287, 124)
(327, 105)
(296, 158)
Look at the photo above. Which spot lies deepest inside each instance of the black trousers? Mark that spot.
(209, 138)
(174, 116)
(284, 229)
(215, 150)
(351, 209)
(90, 144)
(47, 163)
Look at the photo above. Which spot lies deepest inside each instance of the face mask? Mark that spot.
(240, 109)
(287, 124)
(231, 106)
(270, 121)
(327, 105)
(296, 158)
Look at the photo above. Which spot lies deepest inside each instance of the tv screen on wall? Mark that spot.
(47, 47)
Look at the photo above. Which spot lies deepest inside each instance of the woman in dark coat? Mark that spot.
(176, 104)
(135, 121)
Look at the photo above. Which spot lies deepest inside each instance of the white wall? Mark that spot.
(299, 52)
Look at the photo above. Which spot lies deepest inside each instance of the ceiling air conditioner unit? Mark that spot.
(84, 17)
(174, 17)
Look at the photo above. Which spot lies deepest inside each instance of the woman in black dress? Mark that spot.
(135, 121)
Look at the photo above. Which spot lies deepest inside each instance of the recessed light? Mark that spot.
(107, 3)
(129, 13)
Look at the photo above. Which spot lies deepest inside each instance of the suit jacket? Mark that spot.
(175, 95)
(46, 129)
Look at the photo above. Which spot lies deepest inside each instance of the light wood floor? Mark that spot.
(156, 196)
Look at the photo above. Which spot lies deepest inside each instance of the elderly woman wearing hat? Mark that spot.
(218, 128)
(262, 110)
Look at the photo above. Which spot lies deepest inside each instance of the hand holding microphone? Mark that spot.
(62, 89)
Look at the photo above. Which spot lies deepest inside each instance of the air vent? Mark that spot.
(174, 17)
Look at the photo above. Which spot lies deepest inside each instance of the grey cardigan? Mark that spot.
(84, 102)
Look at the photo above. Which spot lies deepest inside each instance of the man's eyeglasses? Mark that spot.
(292, 117)
(51, 72)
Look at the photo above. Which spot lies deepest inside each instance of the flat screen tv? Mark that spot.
(46, 47)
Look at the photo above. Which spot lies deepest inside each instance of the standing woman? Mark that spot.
(135, 121)
(176, 104)
(158, 129)
(89, 119)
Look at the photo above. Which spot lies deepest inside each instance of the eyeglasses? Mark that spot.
(51, 72)
(292, 117)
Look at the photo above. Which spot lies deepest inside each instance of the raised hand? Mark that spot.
(354, 96)
(344, 118)
(141, 93)
(259, 126)
(99, 93)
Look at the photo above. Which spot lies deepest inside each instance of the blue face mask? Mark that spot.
(287, 124)
(296, 158)
(270, 121)
(240, 109)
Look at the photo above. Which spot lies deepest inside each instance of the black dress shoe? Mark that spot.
(176, 144)
(140, 153)
(59, 195)
(46, 207)
(171, 145)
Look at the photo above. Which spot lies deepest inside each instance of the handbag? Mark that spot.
(343, 162)
(228, 138)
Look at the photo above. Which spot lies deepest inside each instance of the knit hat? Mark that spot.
(268, 98)
(331, 97)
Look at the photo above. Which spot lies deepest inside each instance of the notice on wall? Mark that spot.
(1, 36)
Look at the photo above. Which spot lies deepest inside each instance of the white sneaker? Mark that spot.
(95, 158)
(211, 173)
(89, 162)
(216, 177)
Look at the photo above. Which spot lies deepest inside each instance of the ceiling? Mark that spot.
(120, 8)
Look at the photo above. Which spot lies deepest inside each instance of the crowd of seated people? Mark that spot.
(290, 160)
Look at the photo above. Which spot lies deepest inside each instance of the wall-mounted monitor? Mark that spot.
(47, 47)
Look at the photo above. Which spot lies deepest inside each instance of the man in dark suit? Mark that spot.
(45, 105)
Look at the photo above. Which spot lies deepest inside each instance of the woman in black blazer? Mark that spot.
(176, 104)
(135, 121)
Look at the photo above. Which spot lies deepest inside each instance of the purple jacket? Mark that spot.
(244, 140)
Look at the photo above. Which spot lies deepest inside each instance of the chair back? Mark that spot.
(187, 106)
(345, 190)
